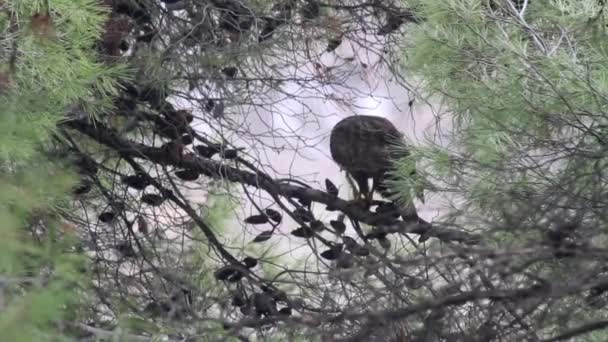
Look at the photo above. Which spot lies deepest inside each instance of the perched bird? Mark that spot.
(364, 146)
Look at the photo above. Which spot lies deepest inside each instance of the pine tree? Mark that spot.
(525, 82)
(48, 66)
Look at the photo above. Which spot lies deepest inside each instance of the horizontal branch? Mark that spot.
(580, 330)
(106, 136)
(494, 295)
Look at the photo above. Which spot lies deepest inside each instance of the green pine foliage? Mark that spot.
(527, 91)
(48, 65)
(513, 85)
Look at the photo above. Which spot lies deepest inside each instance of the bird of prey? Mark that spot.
(365, 146)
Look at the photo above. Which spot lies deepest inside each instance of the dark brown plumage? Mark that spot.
(364, 146)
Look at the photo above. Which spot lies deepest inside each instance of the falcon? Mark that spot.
(365, 146)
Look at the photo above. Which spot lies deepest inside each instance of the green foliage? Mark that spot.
(47, 72)
(527, 92)
(508, 87)
(218, 210)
